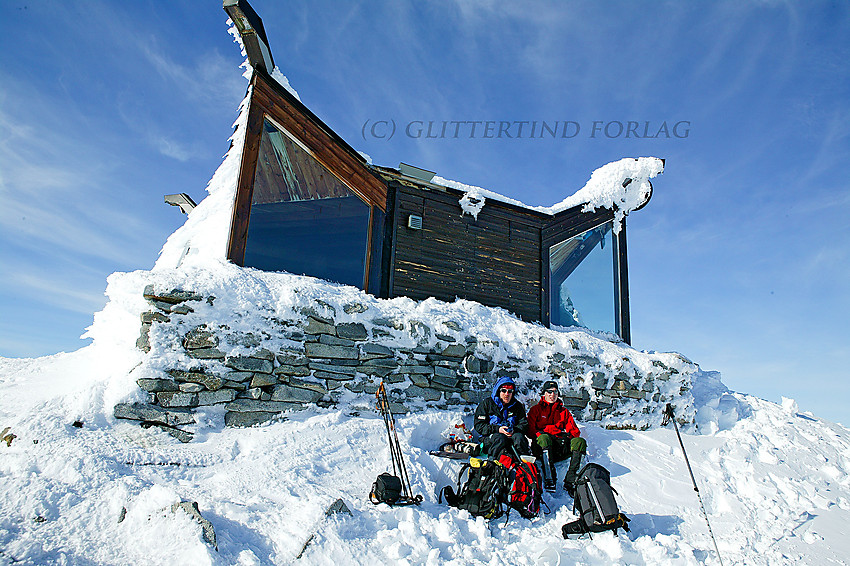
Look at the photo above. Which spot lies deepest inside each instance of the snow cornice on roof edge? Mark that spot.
(621, 186)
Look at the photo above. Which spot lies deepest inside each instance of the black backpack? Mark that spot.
(595, 504)
(485, 491)
(386, 489)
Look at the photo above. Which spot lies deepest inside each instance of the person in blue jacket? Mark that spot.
(501, 422)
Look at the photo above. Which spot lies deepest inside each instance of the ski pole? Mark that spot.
(396, 446)
(668, 416)
(384, 413)
(399, 467)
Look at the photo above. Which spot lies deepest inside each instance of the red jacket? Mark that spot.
(551, 418)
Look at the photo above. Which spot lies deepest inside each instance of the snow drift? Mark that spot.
(775, 484)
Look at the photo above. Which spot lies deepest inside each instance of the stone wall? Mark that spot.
(311, 360)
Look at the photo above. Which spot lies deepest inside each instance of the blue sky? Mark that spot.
(740, 261)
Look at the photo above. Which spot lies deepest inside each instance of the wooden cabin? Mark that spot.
(308, 203)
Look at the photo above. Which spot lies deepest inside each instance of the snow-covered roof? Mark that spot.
(622, 186)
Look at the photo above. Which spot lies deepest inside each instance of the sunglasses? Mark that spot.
(551, 391)
(506, 389)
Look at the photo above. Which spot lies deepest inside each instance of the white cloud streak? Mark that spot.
(60, 293)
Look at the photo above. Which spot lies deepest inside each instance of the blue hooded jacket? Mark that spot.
(492, 413)
(494, 394)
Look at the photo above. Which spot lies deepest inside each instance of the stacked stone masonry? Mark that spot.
(325, 363)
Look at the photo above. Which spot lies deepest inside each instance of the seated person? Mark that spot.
(500, 421)
(555, 437)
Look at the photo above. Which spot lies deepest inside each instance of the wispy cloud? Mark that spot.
(60, 293)
(56, 195)
(173, 149)
(833, 137)
(149, 55)
(30, 152)
(212, 83)
(209, 79)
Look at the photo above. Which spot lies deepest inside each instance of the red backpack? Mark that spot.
(526, 489)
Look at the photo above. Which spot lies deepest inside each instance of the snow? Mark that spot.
(775, 485)
(278, 75)
(481, 192)
(472, 202)
(775, 482)
(250, 301)
(606, 188)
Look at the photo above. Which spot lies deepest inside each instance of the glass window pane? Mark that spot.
(581, 280)
(304, 220)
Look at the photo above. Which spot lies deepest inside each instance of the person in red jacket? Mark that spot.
(555, 437)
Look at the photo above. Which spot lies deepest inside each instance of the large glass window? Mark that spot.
(581, 280)
(304, 219)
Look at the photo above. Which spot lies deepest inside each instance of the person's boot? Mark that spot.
(548, 473)
(572, 473)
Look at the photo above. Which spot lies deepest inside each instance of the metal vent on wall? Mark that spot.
(414, 222)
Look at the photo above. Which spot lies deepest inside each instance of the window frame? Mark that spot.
(268, 100)
(595, 238)
(570, 224)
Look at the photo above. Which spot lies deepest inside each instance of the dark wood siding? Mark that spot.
(494, 260)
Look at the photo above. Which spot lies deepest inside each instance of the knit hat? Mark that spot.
(549, 385)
